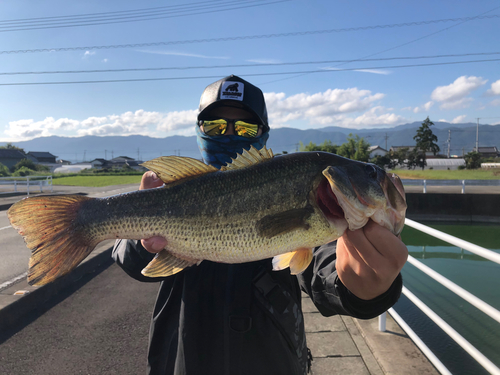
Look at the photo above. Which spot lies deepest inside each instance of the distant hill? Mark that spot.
(463, 138)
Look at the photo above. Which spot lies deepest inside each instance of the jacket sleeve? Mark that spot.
(132, 257)
(321, 282)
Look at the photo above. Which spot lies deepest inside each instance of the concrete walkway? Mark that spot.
(344, 345)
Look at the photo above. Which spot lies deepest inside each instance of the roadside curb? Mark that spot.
(14, 308)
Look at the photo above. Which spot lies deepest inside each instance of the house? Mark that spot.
(42, 157)
(488, 152)
(63, 162)
(10, 157)
(428, 154)
(118, 162)
(376, 151)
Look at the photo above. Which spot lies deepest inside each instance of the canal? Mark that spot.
(475, 274)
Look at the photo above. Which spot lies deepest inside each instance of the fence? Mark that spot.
(18, 184)
(462, 183)
(470, 298)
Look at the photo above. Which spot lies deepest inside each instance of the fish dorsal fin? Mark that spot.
(250, 157)
(175, 168)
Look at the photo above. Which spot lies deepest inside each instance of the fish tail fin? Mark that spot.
(297, 260)
(51, 230)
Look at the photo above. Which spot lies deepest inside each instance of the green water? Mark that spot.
(475, 274)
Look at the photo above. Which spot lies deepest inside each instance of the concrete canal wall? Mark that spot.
(483, 208)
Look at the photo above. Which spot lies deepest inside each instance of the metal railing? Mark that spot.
(473, 300)
(460, 183)
(14, 184)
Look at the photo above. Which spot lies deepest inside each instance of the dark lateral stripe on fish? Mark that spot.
(50, 229)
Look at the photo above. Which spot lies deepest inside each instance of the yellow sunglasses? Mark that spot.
(219, 127)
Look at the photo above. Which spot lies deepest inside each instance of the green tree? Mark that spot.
(4, 171)
(426, 140)
(326, 146)
(24, 163)
(10, 146)
(472, 160)
(355, 148)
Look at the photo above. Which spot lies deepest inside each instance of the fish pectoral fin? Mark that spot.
(250, 157)
(284, 222)
(167, 264)
(297, 260)
(174, 168)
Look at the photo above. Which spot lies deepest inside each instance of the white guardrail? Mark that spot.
(461, 183)
(473, 300)
(16, 184)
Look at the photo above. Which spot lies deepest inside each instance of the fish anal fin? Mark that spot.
(284, 222)
(167, 264)
(248, 158)
(174, 168)
(297, 260)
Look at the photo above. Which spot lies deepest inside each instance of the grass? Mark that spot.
(97, 181)
(434, 174)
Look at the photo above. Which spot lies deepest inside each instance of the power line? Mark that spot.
(249, 75)
(132, 18)
(244, 65)
(246, 37)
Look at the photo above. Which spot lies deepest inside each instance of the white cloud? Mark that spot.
(495, 88)
(138, 122)
(458, 119)
(423, 108)
(495, 103)
(104, 60)
(264, 61)
(328, 108)
(454, 95)
(374, 71)
(87, 54)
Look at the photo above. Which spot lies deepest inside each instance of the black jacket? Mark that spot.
(232, 319)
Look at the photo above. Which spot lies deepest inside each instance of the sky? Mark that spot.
(57, 59)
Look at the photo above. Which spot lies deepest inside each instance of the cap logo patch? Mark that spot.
(232, 90)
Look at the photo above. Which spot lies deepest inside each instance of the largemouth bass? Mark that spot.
(257, 207)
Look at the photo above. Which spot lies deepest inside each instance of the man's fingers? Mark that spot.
(154, 244)
(150, 180)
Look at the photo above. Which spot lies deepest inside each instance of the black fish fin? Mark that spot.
(297, 260)
(250, 157)
(167, 264)
(174, 168)
(283, 222)
(50, 229)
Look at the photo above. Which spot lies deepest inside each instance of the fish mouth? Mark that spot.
(328, 202)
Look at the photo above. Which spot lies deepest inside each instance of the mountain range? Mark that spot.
(78, 149)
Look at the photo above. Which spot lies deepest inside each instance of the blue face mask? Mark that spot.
(218, 151)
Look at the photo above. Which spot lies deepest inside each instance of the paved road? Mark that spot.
(14, 254)
(101, 328)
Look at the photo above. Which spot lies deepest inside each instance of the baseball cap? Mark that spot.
(234, 91)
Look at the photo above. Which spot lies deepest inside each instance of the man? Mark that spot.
(218, 318)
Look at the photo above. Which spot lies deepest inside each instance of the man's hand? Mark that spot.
(154, 244)
(369, 259)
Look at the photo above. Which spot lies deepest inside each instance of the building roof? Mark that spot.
(41, 154)
(372, 148)
(8, 153)
(490, 149)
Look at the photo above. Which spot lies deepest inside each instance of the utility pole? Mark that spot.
(477, 136)
(449, 142)
(84, 153)
(138, 153)
(105, 154)
(386, 137)
(112, 154)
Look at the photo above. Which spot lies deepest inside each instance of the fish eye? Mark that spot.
(371, 170)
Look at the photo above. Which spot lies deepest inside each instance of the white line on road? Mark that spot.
(6, 284)
(10, 226)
